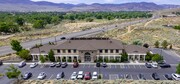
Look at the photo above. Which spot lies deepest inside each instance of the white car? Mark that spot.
(73, 76)
(80, 75)
(33, 65)
(94, 75)
(154, 64)
(42, 75)
(176, 76)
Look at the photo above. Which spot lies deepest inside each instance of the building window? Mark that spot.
(58, 51)
(112, 51)
(117, 51)
(106, 51)
(69, 51)
(64, 51)
(74, 50)
(100, 51)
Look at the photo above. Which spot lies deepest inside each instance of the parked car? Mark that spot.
(155, 76)
(104, 64)
(1, 63)
(58, 64)
(33, 65)
(27, 75)
(168, 77)
(94, 75)
(74, 76)
(141, 77)
(98, 64)
(42, 75)
(176, 76)
(64, 65)
(165, 66)
(80, 75)
(76, 64)
(22, 64)
(53, 64)
(63, 38)
(148, 65)
(87, 76)
(60, 75)
(154, 64)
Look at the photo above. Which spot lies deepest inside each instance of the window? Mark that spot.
(106, 51)
(74, 50)
(69, 51)
(58, 51)
(100, 51)
(117, 51)
(112, 51)
(64, 51)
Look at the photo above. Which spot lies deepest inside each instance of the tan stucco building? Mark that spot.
(90, 49)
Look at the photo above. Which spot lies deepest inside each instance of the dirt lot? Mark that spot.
(149, 32)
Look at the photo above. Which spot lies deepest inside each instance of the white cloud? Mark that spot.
(109, 1)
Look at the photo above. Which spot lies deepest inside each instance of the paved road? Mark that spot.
(170, 56)
(7, 49)
(111, 72)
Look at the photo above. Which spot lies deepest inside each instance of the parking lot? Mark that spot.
(112, 72)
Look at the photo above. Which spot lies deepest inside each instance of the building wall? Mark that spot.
(82, 53)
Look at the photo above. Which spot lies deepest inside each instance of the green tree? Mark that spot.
(42, 59)
(124, 57)
(164, 44)
(25, 54)
(157, 58)
(149, 56)
(170, 47)
(16, 45)
(177, 27)
(137, 42)
(13, 73)
(178, 69)
(39, 24)
(51, 56)
(89, 20)
(156, 44)
(20, 21)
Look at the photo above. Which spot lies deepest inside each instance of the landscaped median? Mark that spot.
(119, 81)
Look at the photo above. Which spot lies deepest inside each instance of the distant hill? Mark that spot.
(28, 5)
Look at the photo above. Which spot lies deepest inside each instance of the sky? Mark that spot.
(177, 2)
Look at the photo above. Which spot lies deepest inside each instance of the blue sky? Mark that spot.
(113, 1)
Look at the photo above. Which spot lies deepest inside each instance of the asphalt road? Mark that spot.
(111, 72)
(7, 49)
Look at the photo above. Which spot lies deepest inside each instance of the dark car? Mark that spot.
(168, 77)
(141, 77)
(63, 38)
(27, 75)
(148, 65)
(155, 76)
(104, 64)
(60, 75)
(53, 65)
(98, 64)
(165, 65)
(58, 64)
(64, 65)
(22, 64)
(1, 63)
(75, 65)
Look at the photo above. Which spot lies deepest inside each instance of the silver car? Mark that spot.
(42, 75)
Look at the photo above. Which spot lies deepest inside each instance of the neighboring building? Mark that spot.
(90, 49)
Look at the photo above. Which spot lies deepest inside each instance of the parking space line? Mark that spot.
(115, 66)
(89, 66)
(140, 66)
(51, 76)
(131, 77)
(84, 65)
(41, 66)
(134, 66)
(138, 77)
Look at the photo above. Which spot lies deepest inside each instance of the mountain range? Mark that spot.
(43, 6)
